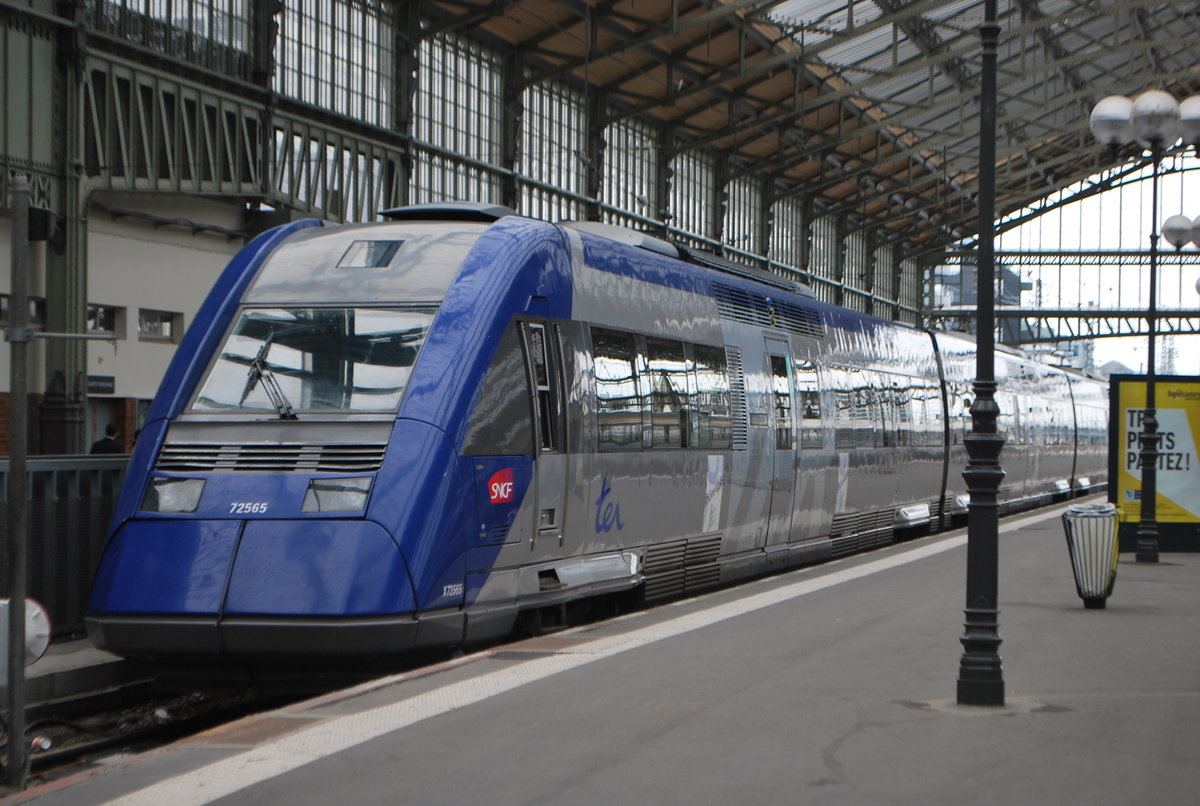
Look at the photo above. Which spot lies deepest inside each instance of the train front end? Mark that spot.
(280, 508)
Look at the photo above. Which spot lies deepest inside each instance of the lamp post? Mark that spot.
(1153, 120)
(980, 672)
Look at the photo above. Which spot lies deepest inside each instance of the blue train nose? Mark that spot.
(318, 568)
(249, 588)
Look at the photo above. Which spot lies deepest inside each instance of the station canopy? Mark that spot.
(869, 108)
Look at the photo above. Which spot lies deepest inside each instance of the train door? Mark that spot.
(783, 444)
(543, 355)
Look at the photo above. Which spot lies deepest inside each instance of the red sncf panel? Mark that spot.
(500, 487)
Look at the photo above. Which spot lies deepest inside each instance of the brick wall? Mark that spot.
(119, 411)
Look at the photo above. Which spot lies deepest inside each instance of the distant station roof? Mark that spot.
(872, 107)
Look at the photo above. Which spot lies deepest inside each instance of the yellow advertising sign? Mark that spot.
(1178, 406)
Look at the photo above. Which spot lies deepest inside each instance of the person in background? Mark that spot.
(109, 444)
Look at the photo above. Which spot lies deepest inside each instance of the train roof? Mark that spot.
(381, 262)
(469, 213)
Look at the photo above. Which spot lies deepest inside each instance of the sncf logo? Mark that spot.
(500, 486)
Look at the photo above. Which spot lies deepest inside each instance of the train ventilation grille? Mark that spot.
(681, 566)
(860, 531)
(946, 505)
(494, 535)
(739, 416)
(1004, 501)
(340, 458)
(752, 308)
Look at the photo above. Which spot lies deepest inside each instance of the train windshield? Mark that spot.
(315, 359)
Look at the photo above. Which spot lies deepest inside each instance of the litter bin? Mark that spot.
(1092, 541)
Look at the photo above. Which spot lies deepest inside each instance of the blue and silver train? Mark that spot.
(385, 437)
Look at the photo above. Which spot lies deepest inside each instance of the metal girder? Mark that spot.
(145, 130)
(1084, 257)
(870, 117)
(1042, 326)
(902, 75)
(655, 28)
(333, 174)
(28, 113)
(923, 33)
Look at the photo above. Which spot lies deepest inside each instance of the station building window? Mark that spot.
(159, 325)
(337, 56)
(106, 319)
(37, 311)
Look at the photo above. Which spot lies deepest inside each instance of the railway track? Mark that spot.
(66, 734)
(139, 714)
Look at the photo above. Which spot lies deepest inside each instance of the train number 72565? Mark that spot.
(248, 508)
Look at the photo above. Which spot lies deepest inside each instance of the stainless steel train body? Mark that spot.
(381, 437)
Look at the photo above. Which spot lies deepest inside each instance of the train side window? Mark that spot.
(933, 432)
(575, 373)
(885, 410)
(843, 401)
(808, 398)
(542, 364)
(914, 408)
(960, 413)
(667, 375)
(902, 402)
(712, 426)
(781, 388)
(864, 411)
(500, 422)
(618, 403)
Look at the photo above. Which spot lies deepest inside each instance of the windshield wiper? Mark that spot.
(259, 371)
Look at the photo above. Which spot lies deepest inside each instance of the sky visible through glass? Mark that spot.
(1119, 219)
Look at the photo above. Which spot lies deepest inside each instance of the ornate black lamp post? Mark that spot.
(1152, 120)
(980, 677)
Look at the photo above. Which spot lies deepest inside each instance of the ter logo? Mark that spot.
(500, 486)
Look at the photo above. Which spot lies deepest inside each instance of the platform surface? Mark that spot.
(834, 684)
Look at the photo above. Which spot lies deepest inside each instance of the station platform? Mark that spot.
(834, 684)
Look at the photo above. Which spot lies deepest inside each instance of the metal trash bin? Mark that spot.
(1092, 542)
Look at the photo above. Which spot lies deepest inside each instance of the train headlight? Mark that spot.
(337, 495)
(172, 495)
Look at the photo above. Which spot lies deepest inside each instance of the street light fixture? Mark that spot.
(1179, 230)
(1155, 120)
